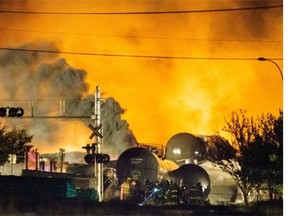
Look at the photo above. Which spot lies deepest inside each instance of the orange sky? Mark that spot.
(163, 97)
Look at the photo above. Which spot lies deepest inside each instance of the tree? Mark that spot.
(278, 128)
(265, 154)
(259, 146)
(15, 141)
(218, 148)
(243, 131)
(3, 147)
(272, 139)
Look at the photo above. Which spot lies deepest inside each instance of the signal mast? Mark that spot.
(98, 166)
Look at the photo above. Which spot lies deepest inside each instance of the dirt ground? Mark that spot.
(73, 207)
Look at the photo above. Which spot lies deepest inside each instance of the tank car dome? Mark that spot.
(192, 175)
(185, 148)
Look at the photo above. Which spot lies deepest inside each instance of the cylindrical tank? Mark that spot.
(140, 164)
(185, 148)
(192, 175)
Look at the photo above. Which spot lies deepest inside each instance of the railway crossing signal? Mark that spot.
(90, 157)
(100, 158)
(95, 131)
(11, 112)
(91, 148)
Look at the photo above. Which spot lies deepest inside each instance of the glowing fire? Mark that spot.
(162, 96)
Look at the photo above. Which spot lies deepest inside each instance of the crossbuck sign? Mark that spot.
(95, 131)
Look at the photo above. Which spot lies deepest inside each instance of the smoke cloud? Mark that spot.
(47, 80)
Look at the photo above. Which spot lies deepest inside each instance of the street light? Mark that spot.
(265, 59)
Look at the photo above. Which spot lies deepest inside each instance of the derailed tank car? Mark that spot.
(194, 183)
(185, 148)
(146, 179)
(141, 165)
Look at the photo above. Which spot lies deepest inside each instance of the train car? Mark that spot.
(193, 181)
(140, 165)
(205, 150)
(184, 148)
(146, 179)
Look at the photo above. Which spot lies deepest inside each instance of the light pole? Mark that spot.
(265, 59)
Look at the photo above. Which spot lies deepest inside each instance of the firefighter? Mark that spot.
(158, 192)
(135, 194)
(147, 185)
(200, 190)
(167, 191)
(175, 193)
(126, 189)
(182, 191)
(192, 194)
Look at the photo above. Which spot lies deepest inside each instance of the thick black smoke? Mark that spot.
(115, 130)
(45, 79)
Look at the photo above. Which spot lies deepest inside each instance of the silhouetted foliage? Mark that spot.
(259, 146)
(265, 154)
(219, 148)
(15, 141)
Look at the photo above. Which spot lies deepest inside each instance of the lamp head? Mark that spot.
(262, 59)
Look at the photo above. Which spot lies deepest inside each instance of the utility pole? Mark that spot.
(98, 166)
(97, 157)
(61, 152)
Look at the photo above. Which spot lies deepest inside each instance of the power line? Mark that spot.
(144, 12)
(131, 56)
(142, 37)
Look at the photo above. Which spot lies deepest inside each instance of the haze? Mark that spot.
(135, 60)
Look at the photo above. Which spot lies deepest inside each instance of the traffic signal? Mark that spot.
(100, 158)
(11, 112)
